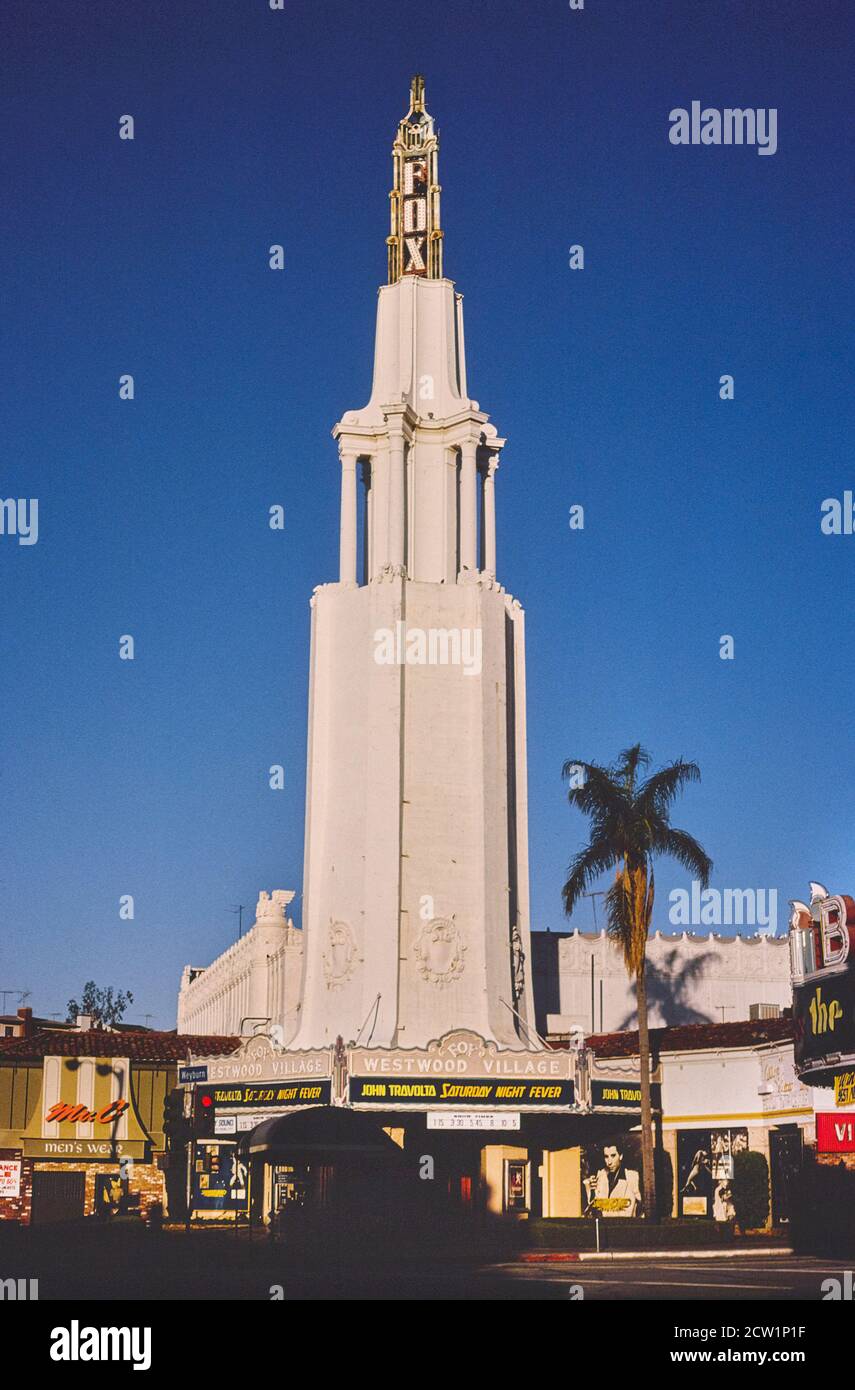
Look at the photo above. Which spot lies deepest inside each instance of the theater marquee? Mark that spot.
(822, 962)
(461, 1070)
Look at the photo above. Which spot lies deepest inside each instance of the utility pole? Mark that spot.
(21, 993)
(599, 893)
(238, 912)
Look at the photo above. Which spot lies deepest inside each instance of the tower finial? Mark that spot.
(415, 240)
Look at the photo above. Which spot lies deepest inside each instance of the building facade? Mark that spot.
(415, 883)
(415, 1023)
(580, 980)
(255, 983)
(718, 1089)
(82, 1121)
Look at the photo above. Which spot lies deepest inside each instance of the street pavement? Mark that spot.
(771, 1278)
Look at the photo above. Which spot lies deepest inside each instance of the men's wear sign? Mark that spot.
(88, 1150)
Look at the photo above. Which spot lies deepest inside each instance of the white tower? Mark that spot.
(416, 861)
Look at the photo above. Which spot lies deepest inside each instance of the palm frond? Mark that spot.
(680, 845)
(656, 794)
(628, 762)
(589, 865)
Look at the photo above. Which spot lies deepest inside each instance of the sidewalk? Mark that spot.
(571, 1256)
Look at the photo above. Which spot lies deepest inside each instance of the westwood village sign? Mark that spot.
(462, 1070)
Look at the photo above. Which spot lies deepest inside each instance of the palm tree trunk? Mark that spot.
(647, 1159)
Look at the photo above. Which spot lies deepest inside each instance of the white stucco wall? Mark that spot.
(691, 979)
(256, 978)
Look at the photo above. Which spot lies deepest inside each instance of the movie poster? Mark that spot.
(611, 1177)
(705, 1168)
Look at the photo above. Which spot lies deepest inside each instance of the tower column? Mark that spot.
(490, 516)
(397, 504)
(347, 534)
(468, 506)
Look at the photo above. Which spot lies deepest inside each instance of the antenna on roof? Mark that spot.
(598, 893)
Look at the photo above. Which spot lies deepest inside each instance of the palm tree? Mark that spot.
(630, 825)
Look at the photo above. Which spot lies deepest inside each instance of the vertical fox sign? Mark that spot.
(415, 240)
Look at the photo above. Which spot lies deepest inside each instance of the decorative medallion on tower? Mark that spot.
(415, 243)
(339, 955)
(517, 963)
(440, 949)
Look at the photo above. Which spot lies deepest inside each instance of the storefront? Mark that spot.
(500, 1129)
(82, 1123)
(547, 1134)
(718, 1090)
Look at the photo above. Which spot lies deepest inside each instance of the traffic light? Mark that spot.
(203, 1114)
(175, 1127)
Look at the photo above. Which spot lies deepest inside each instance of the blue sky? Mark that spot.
(256, 127)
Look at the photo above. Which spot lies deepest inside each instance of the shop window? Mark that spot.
(705, 1161)
(517, 1196)
(58, 1195)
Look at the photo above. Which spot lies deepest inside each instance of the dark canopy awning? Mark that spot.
(321, 1129)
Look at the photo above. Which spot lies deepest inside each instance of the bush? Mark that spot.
(822, 1217)
(751, 1189)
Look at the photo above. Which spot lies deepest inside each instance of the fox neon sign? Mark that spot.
(415, 215)
(65, 1113)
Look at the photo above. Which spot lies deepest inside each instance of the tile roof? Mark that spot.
(145, 1046)
(694, 1037)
